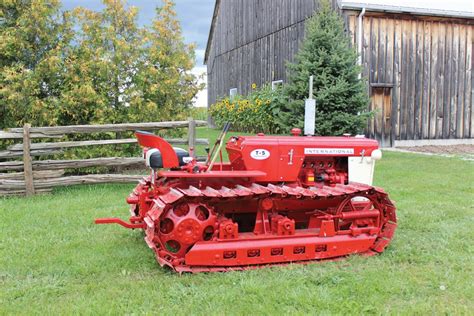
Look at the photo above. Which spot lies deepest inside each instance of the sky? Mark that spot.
(195, 17)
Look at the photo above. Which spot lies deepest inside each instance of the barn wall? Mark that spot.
(429, 62)
(252, 42)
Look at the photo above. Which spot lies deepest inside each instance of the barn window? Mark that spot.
(276, 84)
(233, 92)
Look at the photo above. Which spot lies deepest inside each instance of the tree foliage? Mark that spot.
(340, 96)
(103, 64)
(32, 37)
(253, 113)
(168, 65)
(82, 66)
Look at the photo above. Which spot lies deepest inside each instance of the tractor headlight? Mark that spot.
(376, 154)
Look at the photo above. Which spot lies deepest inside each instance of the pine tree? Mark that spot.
(341, 99)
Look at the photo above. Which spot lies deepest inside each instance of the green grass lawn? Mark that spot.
(54, 260)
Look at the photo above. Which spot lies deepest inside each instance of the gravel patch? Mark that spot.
(442, 150)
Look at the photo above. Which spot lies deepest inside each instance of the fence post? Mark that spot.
(192, 136)
(27, 166)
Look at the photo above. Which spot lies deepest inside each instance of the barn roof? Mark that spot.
(211, 31)
(451, 8)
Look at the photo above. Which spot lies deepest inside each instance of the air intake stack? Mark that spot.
(310, 111)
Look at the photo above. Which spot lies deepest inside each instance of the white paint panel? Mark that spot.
(361, 169)
(309, 116)
(260, 154)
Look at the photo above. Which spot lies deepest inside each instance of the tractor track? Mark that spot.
(162, 202)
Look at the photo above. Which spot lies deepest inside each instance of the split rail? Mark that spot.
(31, 175)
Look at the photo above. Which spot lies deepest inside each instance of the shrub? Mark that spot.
(253, 113)
(198, 113)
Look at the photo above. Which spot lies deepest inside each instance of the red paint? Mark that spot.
(279, 200)
(213, 174)
(170, 160)
(115, 220)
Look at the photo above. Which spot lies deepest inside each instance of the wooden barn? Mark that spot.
(417, 62)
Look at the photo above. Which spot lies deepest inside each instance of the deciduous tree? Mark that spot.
(33, 36)
(82, 67)
(102, 65)
(165, 75)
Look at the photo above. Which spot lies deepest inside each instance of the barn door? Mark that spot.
(380, 126)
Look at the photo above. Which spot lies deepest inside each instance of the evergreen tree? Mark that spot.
(341, 99)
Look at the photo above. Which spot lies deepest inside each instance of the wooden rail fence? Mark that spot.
(32, 176)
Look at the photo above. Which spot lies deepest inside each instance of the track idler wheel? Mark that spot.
(184, 225)
(371, 213)
(357, 212)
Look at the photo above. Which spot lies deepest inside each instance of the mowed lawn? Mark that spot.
(54, 260)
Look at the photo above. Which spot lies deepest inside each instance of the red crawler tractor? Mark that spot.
(280, 199)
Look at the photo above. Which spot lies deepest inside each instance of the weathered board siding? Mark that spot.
(427, 64)
(252, 41)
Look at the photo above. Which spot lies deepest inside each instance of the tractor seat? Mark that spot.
(154, 160)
